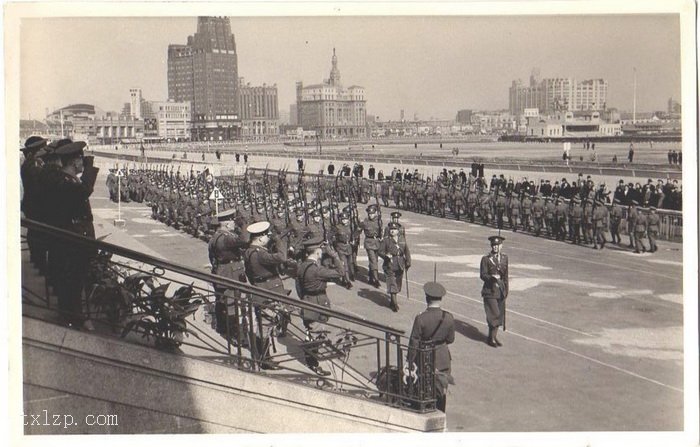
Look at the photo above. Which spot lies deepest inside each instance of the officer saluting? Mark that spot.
(434, 327)
(494, 273)
(226, 255)
(261, 270)
(312, 277)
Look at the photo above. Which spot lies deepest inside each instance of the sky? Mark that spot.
(429, 66)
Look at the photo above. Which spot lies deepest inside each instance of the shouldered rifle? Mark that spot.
(379, 210)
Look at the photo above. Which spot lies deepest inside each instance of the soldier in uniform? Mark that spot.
(397, 259)
(73, 213)
(29, 173)
(261, 270)
(640, 229)
(226, 249)
(430, 196)
(653, 222)
(560, 214)
(587, 221)
(549, 212)
(395, 215)
(537, 215)
(311, 283)
(342, 242)
(494, 274)
(601, 217)
(514, 212)
(373, 235)
(615, 220)
(434, 327)
(575, 218)
(384, 189)
(526, 206)
(500, 209)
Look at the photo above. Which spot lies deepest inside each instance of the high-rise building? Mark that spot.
(464, 116)
(258, 110)
(205, 73)
(330, 109)
(135, 103)
(552, 95)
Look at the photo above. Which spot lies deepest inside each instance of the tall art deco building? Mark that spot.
(205, 72)
(330, 109)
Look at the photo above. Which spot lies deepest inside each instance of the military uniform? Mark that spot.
(311, 283)
(397, 259)
(73, 213)
(615, 220)
(433, 328)
(640, 229)
(601, 217)
(226, 256)
(342, 242)
(373, 233)
(494, 274)
(653, 224)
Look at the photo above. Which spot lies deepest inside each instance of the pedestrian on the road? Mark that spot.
(434, 328)
(494, 274)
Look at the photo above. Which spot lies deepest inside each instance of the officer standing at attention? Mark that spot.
(494, 273)
(311, 282)
(397, 259)
(373, 235)
(74, 214)
(226, 255)
(434, 327)
(261, 269)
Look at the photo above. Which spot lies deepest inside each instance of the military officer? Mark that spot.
(494, 274)
(397, 260)
(434, 328)
(640, 229)
(312, 278)
(395, 216)
(615, 220)
(73, 213)
(373, 235)
(575, 218)
(601, 218)
(261, 270)
(226, 249)
(653, 223)
(342, 242)
(29, 173)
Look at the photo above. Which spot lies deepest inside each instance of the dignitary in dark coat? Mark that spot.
(434, 327)
(494, 273)
(73, 213)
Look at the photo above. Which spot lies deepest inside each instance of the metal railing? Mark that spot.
(129, 293)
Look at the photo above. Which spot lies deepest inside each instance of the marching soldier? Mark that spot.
(384, 191)
(397, 259)
(226, 249)
(342, 242)
(526, 207)
(373, 233)
(640, 229)
(494, 274)
(631, 222)
(615, 220)
(261, 269)
(601, 217)
(434, 327)
(653, 222)
(311, 283)
(549, 213)
(430, 196)
(575, 218)
(538, 215)
(514, 212)
(587, 221)
(500, 209)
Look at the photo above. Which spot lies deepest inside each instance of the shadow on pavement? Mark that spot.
(377, 297)
(469, 331)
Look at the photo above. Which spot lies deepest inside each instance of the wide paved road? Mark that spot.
(594, 340)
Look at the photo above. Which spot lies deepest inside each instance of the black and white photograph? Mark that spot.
(272, 221)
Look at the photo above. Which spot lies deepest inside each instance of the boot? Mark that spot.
(394, 303)
(495, 338)
(491, 342)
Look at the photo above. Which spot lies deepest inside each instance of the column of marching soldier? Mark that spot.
(580, 212)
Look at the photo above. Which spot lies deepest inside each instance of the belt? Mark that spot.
(259, 280)
(316, 293)
(372, 237)
(228, 262)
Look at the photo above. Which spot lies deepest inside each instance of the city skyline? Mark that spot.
(393, 58)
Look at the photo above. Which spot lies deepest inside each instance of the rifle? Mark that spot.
(379, 210)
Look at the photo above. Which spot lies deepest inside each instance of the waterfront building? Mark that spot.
(172, 120)
(330, 109)
(259, 111)
(552, 95)
(205, 73)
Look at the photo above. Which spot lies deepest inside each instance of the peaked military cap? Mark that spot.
(372, 209)
(74, 148)
(258, 228)
(344, 215)
(395, 214)
(315, 213)
(34, 143)
(227, 215)
(434, 290)
(313, 242)
(496, 240)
